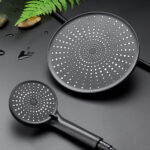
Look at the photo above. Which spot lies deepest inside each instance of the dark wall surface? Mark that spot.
(121, 115)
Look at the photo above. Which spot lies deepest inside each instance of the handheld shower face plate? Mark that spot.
(93, 52)
(32, 102)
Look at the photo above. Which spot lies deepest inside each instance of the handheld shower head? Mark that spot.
(34, 103)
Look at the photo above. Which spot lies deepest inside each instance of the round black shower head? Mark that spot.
(93, 52)
(32, 102)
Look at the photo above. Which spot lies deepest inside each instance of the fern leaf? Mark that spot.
(36, 8)
(57, 4)
(49, 9)
(78, 2)
(64, 4)
(51, 4)
(71, 3)
(34, 2)
(43, 7)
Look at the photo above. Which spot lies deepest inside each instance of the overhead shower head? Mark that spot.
(93, 52)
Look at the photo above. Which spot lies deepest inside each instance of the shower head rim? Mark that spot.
(29, 123)
(111, 85)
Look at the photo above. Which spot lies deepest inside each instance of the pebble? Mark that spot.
(29, 22)
(3, 20)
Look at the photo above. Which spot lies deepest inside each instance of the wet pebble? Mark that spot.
(29, 22)
(3, 20)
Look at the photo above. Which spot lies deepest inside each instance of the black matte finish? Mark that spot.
(120, 115)
(93, 52)
(33, 103)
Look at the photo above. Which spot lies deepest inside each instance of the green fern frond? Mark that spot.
(57, 4)
(78, 1)
(44, 7)
(71, 3)
(64, 4)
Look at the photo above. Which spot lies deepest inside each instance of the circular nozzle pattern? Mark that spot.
(32, 102)
(93, 52)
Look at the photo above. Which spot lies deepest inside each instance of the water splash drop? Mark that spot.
(9, 35)
(2, 52)
(28, 47)
(46, 32)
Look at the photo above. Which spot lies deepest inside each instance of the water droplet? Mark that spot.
(16, 10)
(46, 32)
(9, 35)
(28, 47)
(25, 54)
(2, 52)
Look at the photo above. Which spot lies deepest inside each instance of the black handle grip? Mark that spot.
(84, 136)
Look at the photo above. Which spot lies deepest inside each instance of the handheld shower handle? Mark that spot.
(84, 136)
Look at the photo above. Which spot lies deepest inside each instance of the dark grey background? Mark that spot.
(120, 115)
